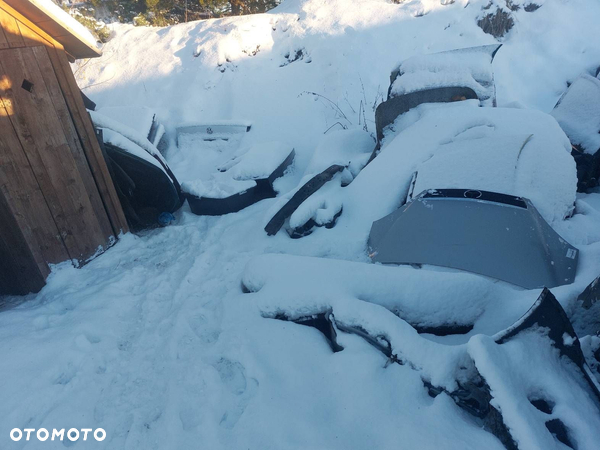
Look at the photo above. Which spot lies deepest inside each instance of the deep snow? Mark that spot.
(155, 342)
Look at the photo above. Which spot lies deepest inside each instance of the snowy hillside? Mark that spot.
(155, 341)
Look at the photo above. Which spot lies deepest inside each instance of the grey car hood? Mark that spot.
(487, 233)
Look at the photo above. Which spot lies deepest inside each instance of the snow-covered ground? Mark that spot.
(155, 342)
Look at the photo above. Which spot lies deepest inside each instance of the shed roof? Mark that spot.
(51, 18)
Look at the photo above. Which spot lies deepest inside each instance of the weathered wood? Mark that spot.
(33, 35)
(68, 127)
(31, 38)
(22, 20)
(11, 30)
(19, 273)
(41, 134)
(3, 40)
(25, 198)
(63, 29)
(57, 199)
(91, 147)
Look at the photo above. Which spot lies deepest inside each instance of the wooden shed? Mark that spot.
(57, 200)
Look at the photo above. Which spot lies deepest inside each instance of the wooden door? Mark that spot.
(45, 178)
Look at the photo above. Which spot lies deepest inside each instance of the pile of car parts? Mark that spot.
(417, 80)
(537, 424)
(148, 188)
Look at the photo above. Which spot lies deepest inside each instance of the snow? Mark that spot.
(154, 340)
(524, 368)
(226, 169)
(120, 141)
(132, 134)
(138, 118)
(351, 148)
(222, 187)
(486, 163)
(260, 161)
(62, 17)
(529, 155)
(469, 67)
(322, 206)
(411, 294)
(578, 113)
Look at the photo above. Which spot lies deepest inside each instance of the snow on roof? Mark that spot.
(77, 40)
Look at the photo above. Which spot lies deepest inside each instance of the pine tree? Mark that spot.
(168, 12)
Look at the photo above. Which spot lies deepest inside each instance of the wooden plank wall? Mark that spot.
(57, 200)
(51, 146)
(16, 257)
(23, 195)
(16, 31)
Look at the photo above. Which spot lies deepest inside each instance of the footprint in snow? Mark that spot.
(233, 414)
(232, 375)
(234, 380)
(65, 376)
(204, 329)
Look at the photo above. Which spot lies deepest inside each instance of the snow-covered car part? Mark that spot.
(491, 163)
(544, 330)
(308, 189)
(145, 190)
(585, 315)
(222, 176)
(578, 114)
(141, 119)
(432, 301)
(132, 138)
(87, 102)
(487, 233)
(548, 315)
(537, 336)
(256, 190)
(387, 112)
(350, 149)
(517, 152)
(144, 181)
(311, 224)
(472, 396)
(216, 130)
(454, 75)
(469, 67)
